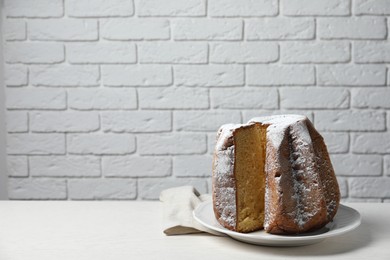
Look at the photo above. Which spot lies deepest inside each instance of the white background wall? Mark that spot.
(3, 162)
(120, 99)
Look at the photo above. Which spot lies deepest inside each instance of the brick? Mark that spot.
(17, 121)
(107, 53)
(64, 166)
(207, 29)
(63, 29)
(136, 121)
(150, 189)
(35, 144)
(280, 29)
(100, 144)
(99, 8)
(30, 98)
(243, 8)
(204, 120)
(135, 29)
(343, 186)
(211, 142)
(351, 28)
(265, 75)
(377, 143)
(102, 189)
(68, 121)
(173, 52)
(17, 166)
(388, 120)
(192, 166)
(313, 97)
(351, 75)
(173, 98)
(369, 187)
(388, 76)
(171, 144)
(209, 75)
(317, 52)
(32, 52)
(371, 52)
(357, 165)
(15, 75)
(387, 165)
(243, 52)
(315, 7)
(102, 98)
(249, 114)
(336, 142)
(33, 9)
(350, 120)
(367, 98)
(244, 98)
(65, 75)
(137, 75)
(36, 189)
(171, 8)
(14, 30)
(372, 7)
(136, 166)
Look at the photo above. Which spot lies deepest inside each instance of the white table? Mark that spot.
(56, 230)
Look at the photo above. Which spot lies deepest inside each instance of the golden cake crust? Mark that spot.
(223, 181)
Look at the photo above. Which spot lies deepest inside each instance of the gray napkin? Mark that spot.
(178, 205)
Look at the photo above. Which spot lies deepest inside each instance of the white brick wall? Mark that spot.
(40, 8)
(171, 8)
(315, 52)
(134, 29)
(79, 53)
(99, 8)
(15, 75)
(243, 8)
(14, 30)
(243, 52)
(280, 75)
(121, 99)
(64, 166)
(136, 166)
(316, 7)
(64, 75)
(136, 75)
(280, 28)
(354, 28)
(212, 75)
(21, 52)
(217, 29)
(62, 29)
(176, 53)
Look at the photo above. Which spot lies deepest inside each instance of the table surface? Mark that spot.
(132, 230)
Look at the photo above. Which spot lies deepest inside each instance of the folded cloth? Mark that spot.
(178, 204)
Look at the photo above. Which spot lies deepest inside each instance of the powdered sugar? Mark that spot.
(277, 126)
(224, 133)
(224, 185)
(297, 159)
(305, 179)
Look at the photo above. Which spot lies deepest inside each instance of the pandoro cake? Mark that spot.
(273, 173)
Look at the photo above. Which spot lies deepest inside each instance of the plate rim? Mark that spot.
(281, 238)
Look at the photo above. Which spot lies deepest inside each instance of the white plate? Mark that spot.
(346, 219)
